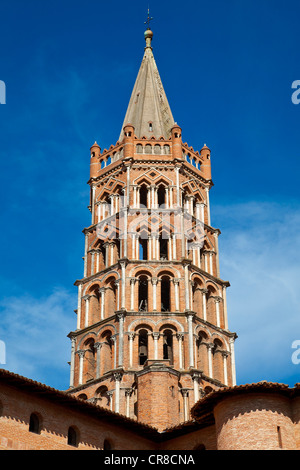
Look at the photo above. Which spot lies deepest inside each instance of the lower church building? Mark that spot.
(152, 356)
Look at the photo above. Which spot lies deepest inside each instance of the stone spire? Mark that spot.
(148, 110)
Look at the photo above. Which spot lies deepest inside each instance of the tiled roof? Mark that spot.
(205, 406)
(62, 398)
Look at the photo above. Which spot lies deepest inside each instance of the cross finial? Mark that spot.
(149, 19)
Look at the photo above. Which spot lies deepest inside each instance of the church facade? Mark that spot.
(152, 356)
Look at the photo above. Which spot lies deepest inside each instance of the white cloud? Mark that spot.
(35, 335)
(260, 256)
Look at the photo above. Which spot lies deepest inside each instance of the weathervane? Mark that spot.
(149, 19)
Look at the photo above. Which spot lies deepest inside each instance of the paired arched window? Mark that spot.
(143, 347)
(165, 294)
(168, 345)
(143, 293)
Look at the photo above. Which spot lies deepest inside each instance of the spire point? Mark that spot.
(148, 33)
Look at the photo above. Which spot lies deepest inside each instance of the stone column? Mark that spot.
(186, 412)
(225, 355)
(102, 295)
(121, 317)
(131, 337)
(231, 342)
(128, 392)
(216, 235)
(191, 338)
(154, 284)
(208, 206)
(187, 286)
(132, 284)
(176, 288)
(81, 354)
(217, 302)
(117, 378)
(98, 347)
(114, 342)
(210, 368)
(72, 366)
(204, 292)
(123, 268)
(225, 308)
(156, 338)
(196, 378)
(180, 337)
(86, 298)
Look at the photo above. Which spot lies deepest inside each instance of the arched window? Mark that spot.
(108, 161)
(165, 294)
(161, 194)
(143, 196)
(102, 164)
(163, 247)
(143, 347)
(168, 345)
(157, 149)
(73, 437)
(34, 424)
(143, 249)
(139, 148)
(143, 294)
(166, 149)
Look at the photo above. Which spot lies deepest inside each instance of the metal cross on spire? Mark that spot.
(149, 19)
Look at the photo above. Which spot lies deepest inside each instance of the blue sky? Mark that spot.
(227, 68)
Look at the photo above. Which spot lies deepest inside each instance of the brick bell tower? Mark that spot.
(152, 335)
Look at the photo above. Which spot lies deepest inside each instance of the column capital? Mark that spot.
(156, 335)
(185, 392)
(117, 376)
(121, 315)
(81, 352)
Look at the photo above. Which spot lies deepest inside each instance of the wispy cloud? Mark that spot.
(35, 334)
(260, 256)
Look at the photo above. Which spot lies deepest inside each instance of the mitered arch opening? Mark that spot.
(107, 349)
(218, 366)
(111, 296)
(142, 333)
(93, 307)
(89, 359)
(143, 292)
(197, 296)
(166, 291)
(168, 333)
(202, 342)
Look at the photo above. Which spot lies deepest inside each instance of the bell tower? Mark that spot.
(152, 333)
